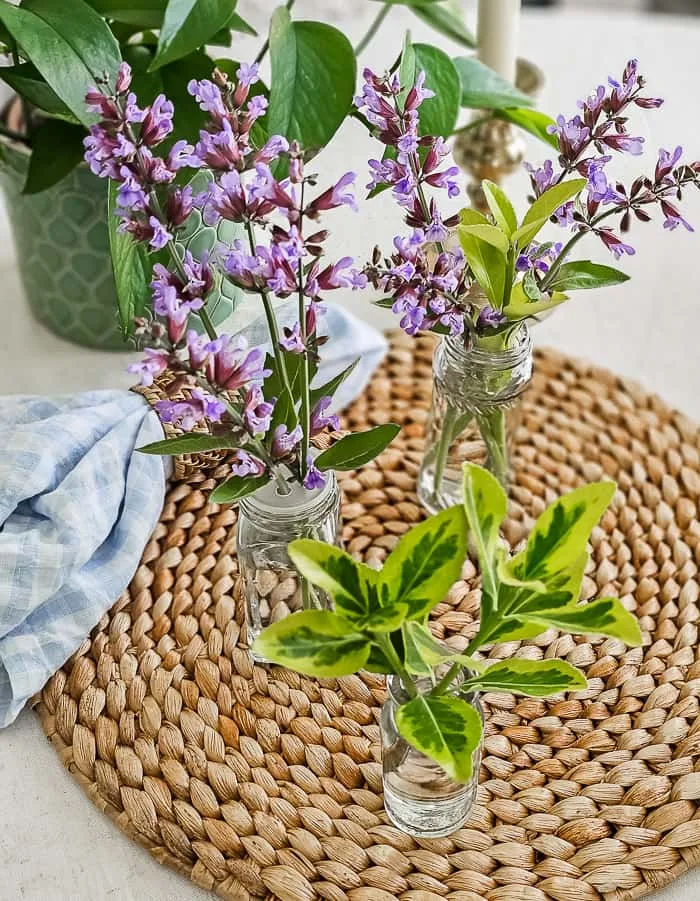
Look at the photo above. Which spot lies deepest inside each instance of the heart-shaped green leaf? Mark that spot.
(187, 25)
(426, 562)
(446, 729)
(535, 678)
(445, 20)
(533, 121)
(355, 450)
(482, 88)
(314, 642)
(68, 42)
(438, 114)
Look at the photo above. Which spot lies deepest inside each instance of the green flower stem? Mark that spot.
(304, 410)
(272, 327)
(373, 28)
(492, 427)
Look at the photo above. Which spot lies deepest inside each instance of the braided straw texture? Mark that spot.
(261, 784)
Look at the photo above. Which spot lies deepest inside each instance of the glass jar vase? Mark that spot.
(419, 797)
(267, 522)
(474, 413)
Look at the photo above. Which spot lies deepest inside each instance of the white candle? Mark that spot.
(497, 35)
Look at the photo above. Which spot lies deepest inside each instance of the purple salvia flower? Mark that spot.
(245, 465)
(321, 420)
(181, 155)
(220, 150)
(209, 98)
(153, 364)
(133, 114)
(292, 340)
(666, 163)
(160, 235)
(284, 441)
(489, 318)
(314, 478)
(131, 194)
(257, 412)
(233, 365)
(624, 143)
(673, 217)
(157, 121)
(187, 414)
(614, 244)
(256, 107)
(341, 194)
(542, 178)
(247, 74)
(271, 149)
(199, 349)
(123, 82)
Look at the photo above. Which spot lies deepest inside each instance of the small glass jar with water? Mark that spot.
(419, 797)
(267, 522)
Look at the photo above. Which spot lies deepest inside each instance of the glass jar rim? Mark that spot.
(314, 502)
(507, 358)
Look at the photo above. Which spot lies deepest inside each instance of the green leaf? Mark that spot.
(486, 505)
(407, 69)
(486, 262)
(544, 208)
(68, 42)
(313, 79)
(377, 662)
(438, 115)
(331, 386)
(469, 216)
(131, 267)
(422, 652)
(236, 23)
(427, 562)
(190, 444)
(445, 21)
(606, 616)
(235, 488)
(446, 729)
(501, 208)
(352, 586)
(188, 24)
(491, 234)
(314, 642)
(532, 121)
(355, 450)
(521, 307)
(413, 659)
(583, 274)
(534, 678)
(26, 80)
(561, 532)
(57, 150)
(140, 13)
(482, 88)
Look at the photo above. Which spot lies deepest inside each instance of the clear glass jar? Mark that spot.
(267, 522)
(474, 414)
(419, 797)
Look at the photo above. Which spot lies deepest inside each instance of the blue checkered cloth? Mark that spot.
(77, 507)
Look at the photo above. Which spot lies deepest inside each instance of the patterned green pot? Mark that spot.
(63, 252)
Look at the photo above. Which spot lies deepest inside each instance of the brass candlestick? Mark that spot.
(494, 149)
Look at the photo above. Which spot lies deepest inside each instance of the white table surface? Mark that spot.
(54, 844)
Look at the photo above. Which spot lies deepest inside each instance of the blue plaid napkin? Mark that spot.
(77, 507)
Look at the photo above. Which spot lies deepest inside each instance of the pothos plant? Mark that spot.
(380, 620)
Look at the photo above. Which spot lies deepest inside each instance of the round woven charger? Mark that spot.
(259, 783)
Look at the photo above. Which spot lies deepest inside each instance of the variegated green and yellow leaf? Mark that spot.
(561, 532)
(446, 729)
(606, 616)
(423, 653)
(314, 642)
(485, 503)
(536, 678)
(426, 562)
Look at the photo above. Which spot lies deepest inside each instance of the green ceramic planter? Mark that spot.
(63, 252)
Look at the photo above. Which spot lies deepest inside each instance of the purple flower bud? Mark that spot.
(614, 244)
(314, 478)
(667, 161)
(256, 107)
(209, 98)
(153, 364)
(123, 82)
(247, 74)
(292, 340)
(257, 412)
(284, 441)
(341, 194)
(335, 276)
(158, 121)
(320, 420)
(274, 146)
(673, 217)
(489, 318)
(245, 465)
(187, 414)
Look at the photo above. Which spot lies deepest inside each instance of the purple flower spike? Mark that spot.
(321, 420)
(233, 365)
(245, 465)
(187, 414)
(314, 478)
(284, 441)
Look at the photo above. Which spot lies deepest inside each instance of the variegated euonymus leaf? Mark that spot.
(562, 531)
(316, 643)
(423, 653)
(606, 616)
(357, 591)
(485, 504)
(426, 562)
(536, 678)
(446, 729)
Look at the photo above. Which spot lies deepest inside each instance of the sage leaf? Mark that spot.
(583, 275)
(190, 444)
(235, 488)
(500, 206)
(130, 264)
(357, 449)
(544, 208)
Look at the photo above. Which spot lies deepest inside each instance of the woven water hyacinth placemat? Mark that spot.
(261, 784)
